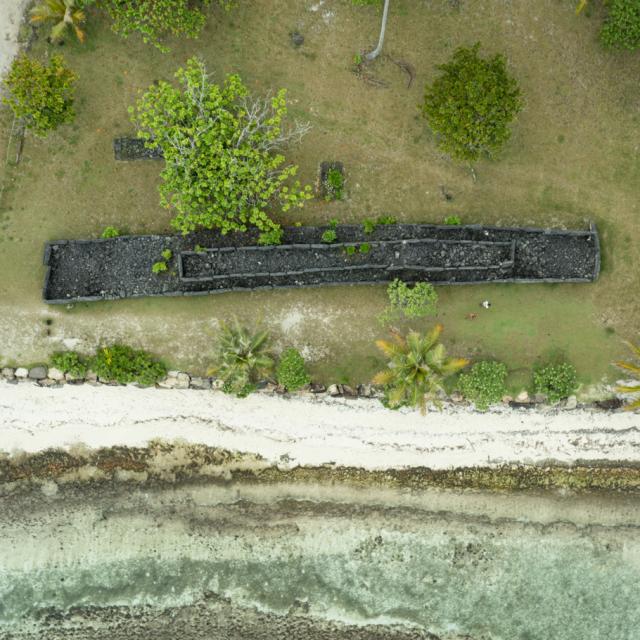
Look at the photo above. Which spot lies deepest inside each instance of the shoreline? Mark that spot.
(311, 432)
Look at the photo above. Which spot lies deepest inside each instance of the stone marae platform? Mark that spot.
(207, 262)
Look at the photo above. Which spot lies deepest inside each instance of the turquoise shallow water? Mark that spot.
(502, 581)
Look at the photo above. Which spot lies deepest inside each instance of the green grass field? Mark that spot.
(573, 157)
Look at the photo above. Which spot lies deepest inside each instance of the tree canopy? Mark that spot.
(40, 95)
(222, 165)
(470, 105)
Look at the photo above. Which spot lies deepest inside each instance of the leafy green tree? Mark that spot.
(291, 372)
(222, 169)
(471, 104)
(556, 381)
(621, 29)
(157, 19)
(41, 96)
(67, 14)
(634, 369)
(119, 363)
(484, 384)
(416, 369)
(242, 358)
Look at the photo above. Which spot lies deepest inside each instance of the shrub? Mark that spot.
(368, 225)
(119, 363)
(470, 106)
(621, 29)
(329, 236)
(70, 362)
(350, 250)
(242, 358)
(156, 19)
(159, 267)
(167, 254)
(271, 237)
(386, 220)
(222, 166)
(365, 247)
(453, 220)
(41, 96)
(417, 368)
(414, 301)
(334, 184)
(484, 384)
(556, 381)
(110, 232)
(291, 372)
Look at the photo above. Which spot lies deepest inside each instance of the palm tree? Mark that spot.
(243, 358)
(635, 371)
(65, 13)
(417, 368)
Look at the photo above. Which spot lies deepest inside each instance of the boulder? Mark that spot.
(9, 373)
(571, 403)
(47, 382)
(56, 374)
(317, 388)
(200, 383)
(21, 373)
(38, 373)
(523, 396)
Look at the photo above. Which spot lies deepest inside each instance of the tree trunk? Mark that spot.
(376, 52)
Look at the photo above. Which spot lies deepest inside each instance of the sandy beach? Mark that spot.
(308, 430)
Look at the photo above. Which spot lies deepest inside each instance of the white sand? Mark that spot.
(308, 431)
(11, 13)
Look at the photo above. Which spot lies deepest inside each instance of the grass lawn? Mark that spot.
(573, 157)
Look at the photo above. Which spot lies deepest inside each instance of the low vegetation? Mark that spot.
(123, 364)
(416, 370)
(70, 362)
(411, 301)
(556, 381)
(632, 368)
(484, 384)
(291, 372)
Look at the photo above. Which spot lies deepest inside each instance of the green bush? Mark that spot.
(159, 267)
(386, 220)
(40, 96)
(119, 363)
(110, 232)
(365, 247)
(222, 166)
(454, 221)
(470, 106)
(157, 19)
(291, 372)
(329, 236)
(334, 185)
(368, 225)
(167, 254)
(271, 237)
(556, 381)
(415, 301)
(484, 384)
(70, 362)
(350, 250)
(621, 29)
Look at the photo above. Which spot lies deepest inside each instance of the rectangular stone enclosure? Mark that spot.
(207, 262)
